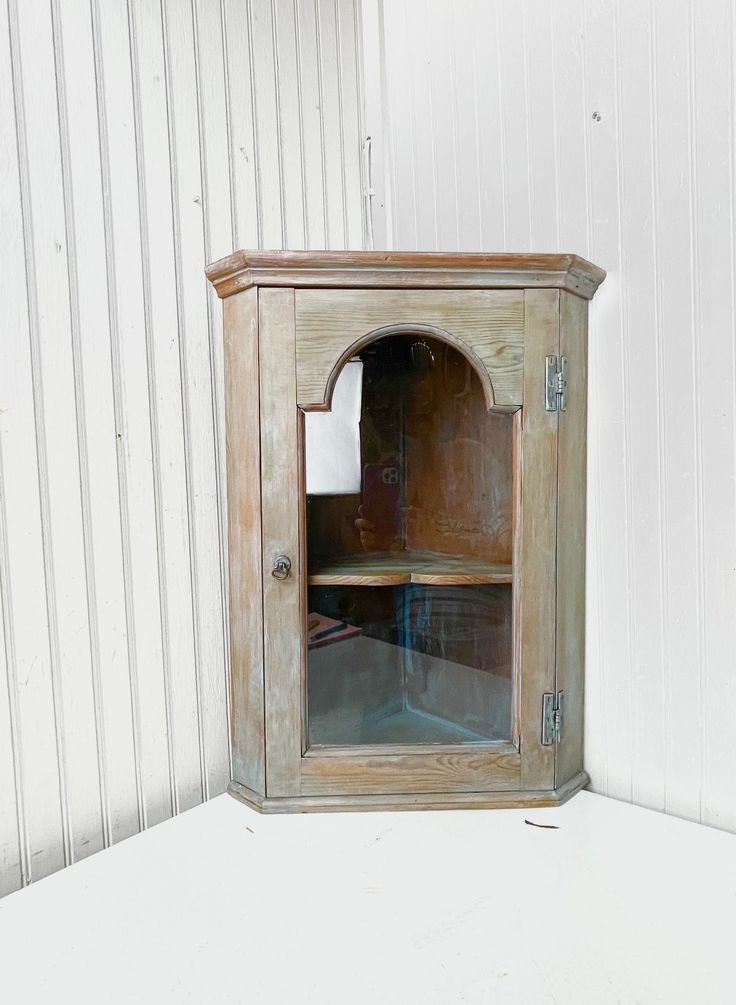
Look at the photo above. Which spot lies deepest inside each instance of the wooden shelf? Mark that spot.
(397, 568)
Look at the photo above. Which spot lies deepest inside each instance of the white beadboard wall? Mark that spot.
(139, 140)
(608, 129)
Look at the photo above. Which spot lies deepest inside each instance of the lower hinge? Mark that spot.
(551, 718)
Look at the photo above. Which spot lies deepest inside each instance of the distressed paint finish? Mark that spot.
(299, 776)
(571, 522)
(535, 550)
(282, 500)
(245, 559)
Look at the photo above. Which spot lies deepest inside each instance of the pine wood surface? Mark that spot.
(393, 569)
(459, 464)
(535, 561)
(402, 270)
(412, 800)
(305, 336)
(571, 514)
(242, 408)
(461, 770)
(281, 502)
(487, 326)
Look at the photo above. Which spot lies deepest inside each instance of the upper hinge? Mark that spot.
(555, 383)
(551, 718)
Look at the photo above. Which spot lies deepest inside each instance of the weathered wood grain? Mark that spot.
(458, 455)
(487, 326)
(534, 562)
(402, 270)
(417, 750)
(242, 417)
(282, 499)
(393, 569)
(412, 801)
(571, 481)
(309, 330)
(461, 771)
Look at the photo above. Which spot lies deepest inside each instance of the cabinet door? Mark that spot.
(409, 595)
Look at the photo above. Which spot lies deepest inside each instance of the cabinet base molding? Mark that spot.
(412, 801)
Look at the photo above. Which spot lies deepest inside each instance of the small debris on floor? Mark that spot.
(547, 827)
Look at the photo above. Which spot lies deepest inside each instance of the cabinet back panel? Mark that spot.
(424, 417)
(458, 464)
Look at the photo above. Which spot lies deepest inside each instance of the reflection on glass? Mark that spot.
(424, 664)
(410, 580)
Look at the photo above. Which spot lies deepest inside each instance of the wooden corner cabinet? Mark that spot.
(406, 438)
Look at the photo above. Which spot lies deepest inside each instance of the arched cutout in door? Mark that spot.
(410, 575)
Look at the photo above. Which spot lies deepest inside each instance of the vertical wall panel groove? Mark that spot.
(527, 126)
(696, 323)
(555, 118)
(203, 188)
(181, 332)
(502, 155)
(81, 420)
(229, 123)
(18, 872)
(644, 189)
(217, 210)
(140, 139)
(118, 412)
(340, 118)
(279, 134)
(658, 379)
(39, 418)
(624, 366)
(351, 121)
(15, 855)
(360, 100)
(320, 100)
(714, 396)
(252, 71)
(152, 399)
(300, 115)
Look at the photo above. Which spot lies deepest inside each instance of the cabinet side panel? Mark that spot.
(535, 549)
(282, 505)
(571, 535)
(244, 536)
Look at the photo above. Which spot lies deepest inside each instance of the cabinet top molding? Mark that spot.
(402, 270)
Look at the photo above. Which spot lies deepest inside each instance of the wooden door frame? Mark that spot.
(411, 774)
(535, 561)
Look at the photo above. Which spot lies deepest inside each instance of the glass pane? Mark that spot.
(427, 664)
(410, 579)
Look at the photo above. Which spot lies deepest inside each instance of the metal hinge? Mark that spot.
(551, 718)
(555, 383)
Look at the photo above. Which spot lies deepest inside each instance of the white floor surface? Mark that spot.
(221, 905)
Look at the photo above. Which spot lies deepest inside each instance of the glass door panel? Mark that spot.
(409, 543)
(417, 664)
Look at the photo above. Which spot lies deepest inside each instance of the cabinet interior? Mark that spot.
(417, 568)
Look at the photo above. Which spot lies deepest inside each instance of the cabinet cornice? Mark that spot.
(403, 270)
